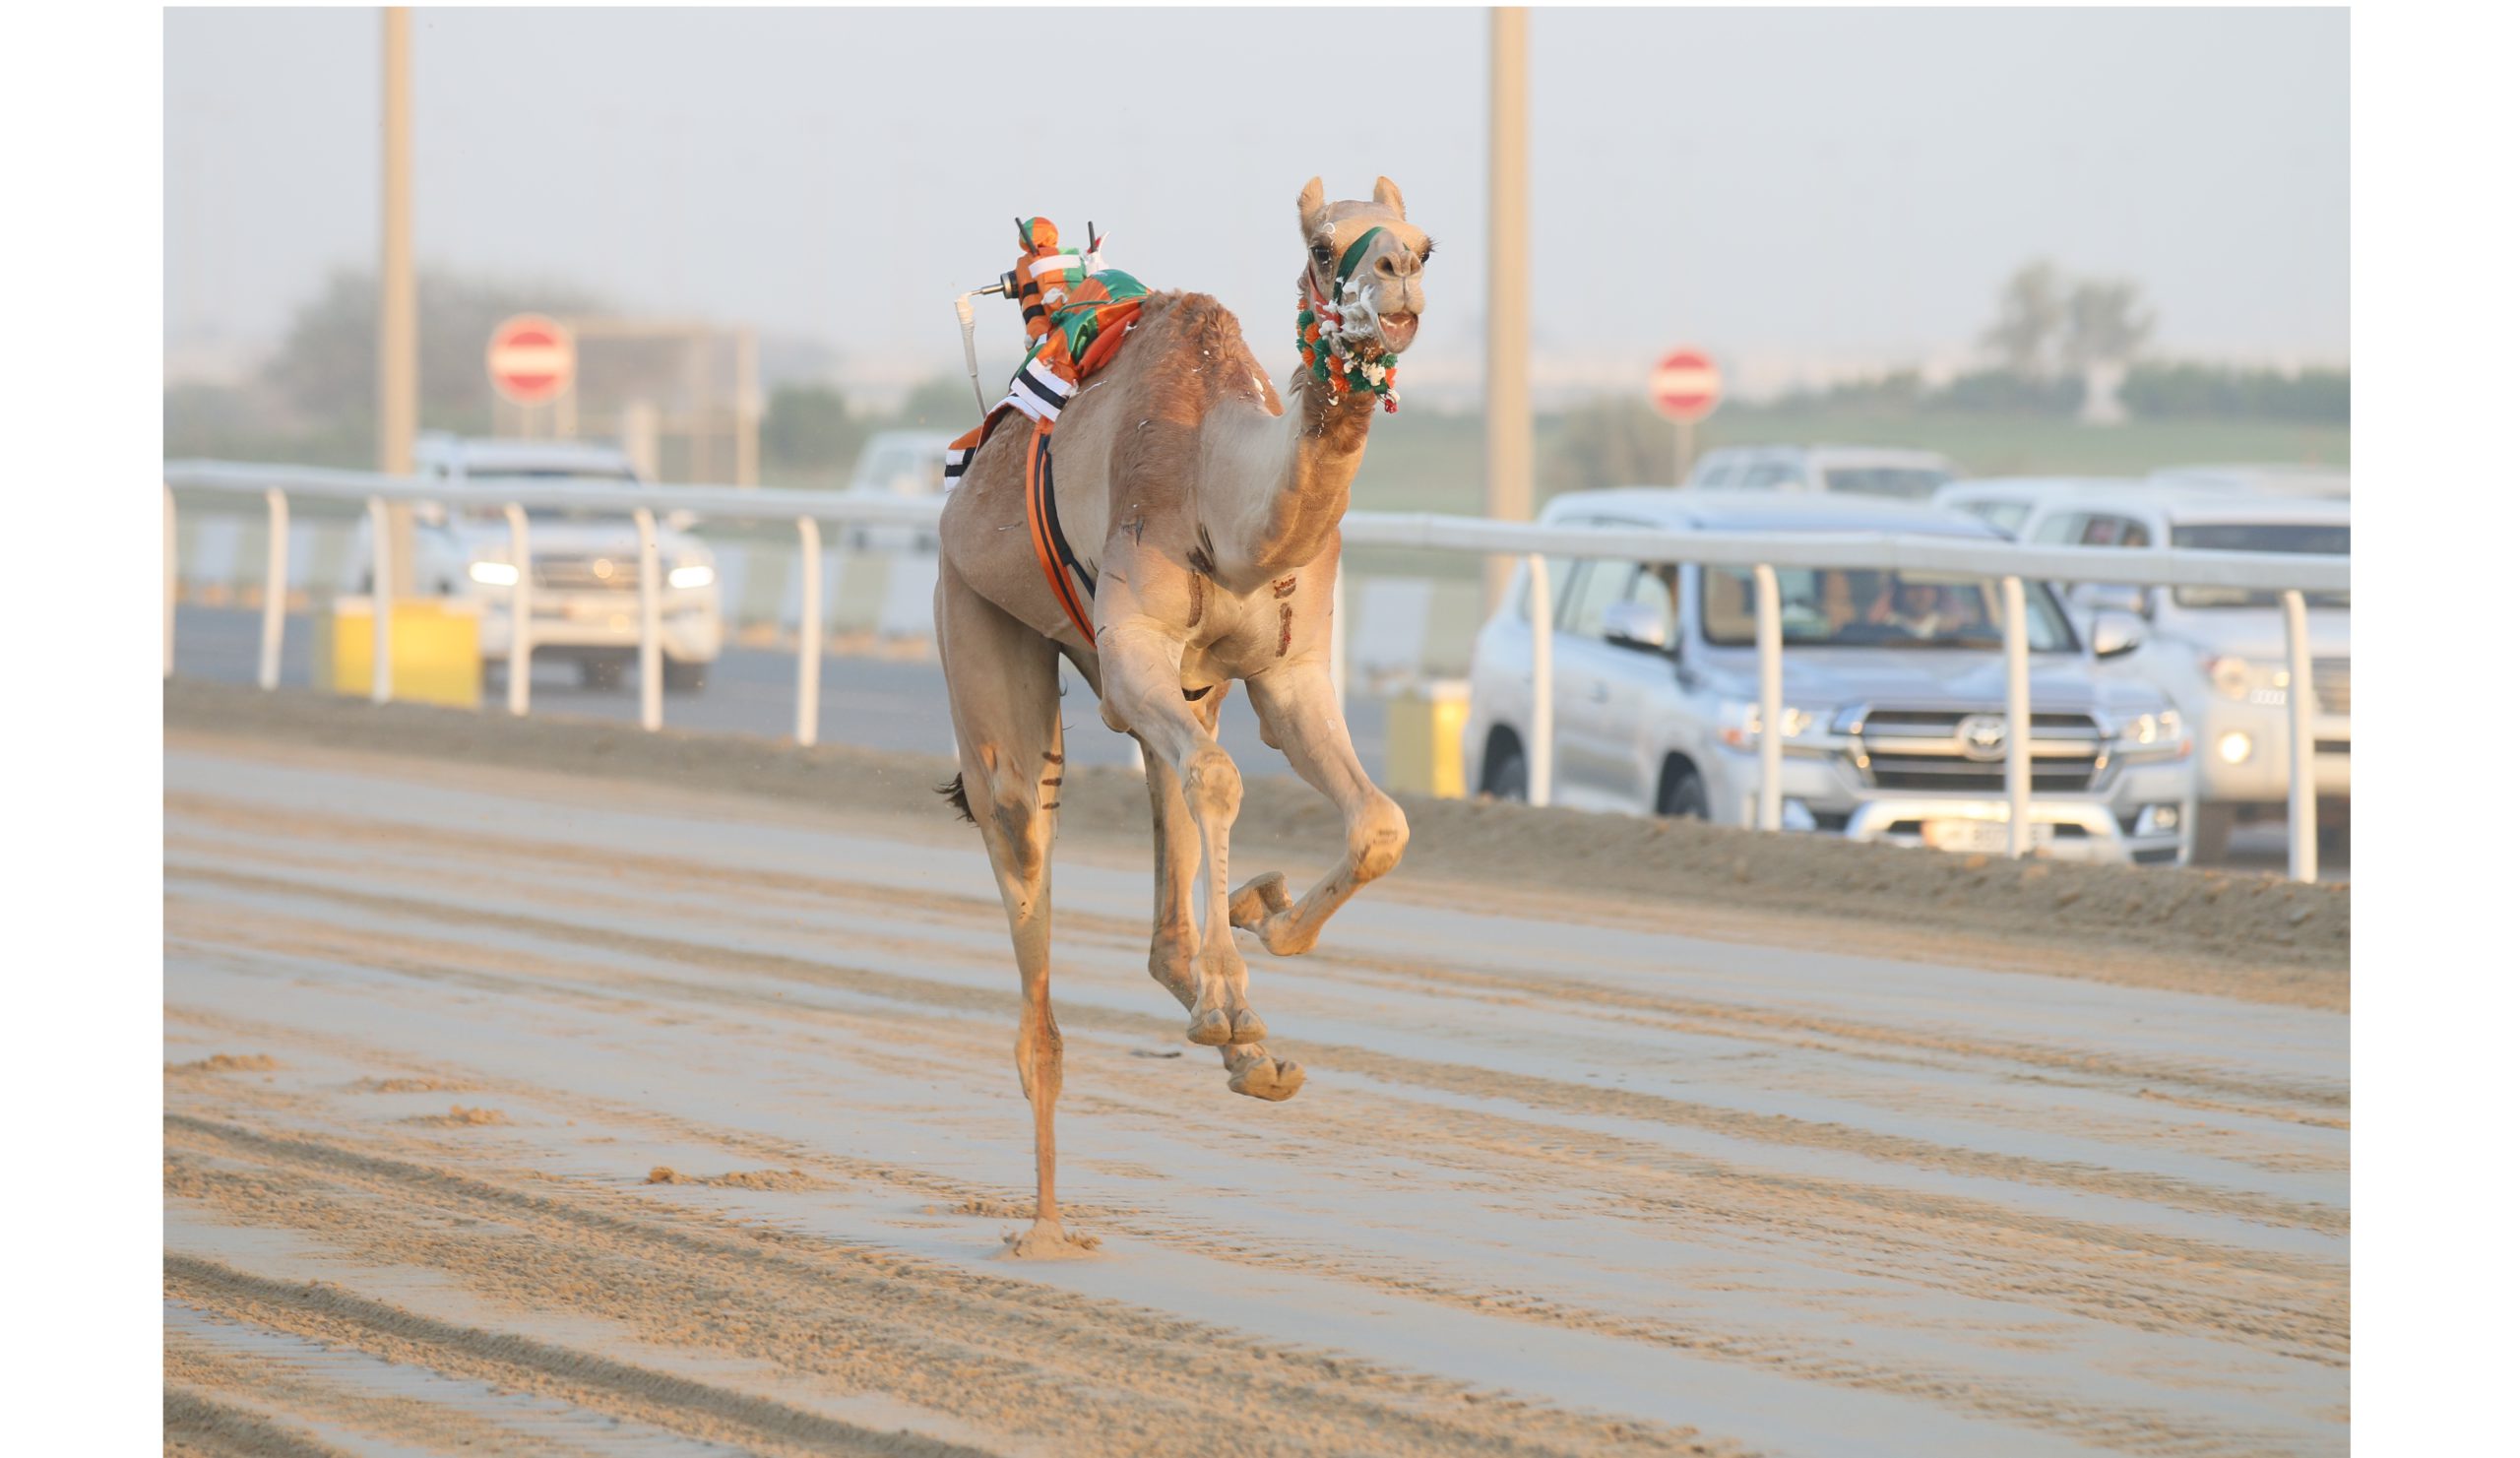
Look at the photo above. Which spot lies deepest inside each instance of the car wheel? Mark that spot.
(1683, 794)
(1509, 776)
(686, 678)
(600, 674)
(2214, 826)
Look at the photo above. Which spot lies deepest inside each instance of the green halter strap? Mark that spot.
(1354, 255)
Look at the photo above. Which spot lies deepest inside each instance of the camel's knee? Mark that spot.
(1376, 837)
(1212, 784)
(1173, 962)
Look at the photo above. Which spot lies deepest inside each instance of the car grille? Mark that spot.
(2332, 683)
(1920, 749)
(580, 574)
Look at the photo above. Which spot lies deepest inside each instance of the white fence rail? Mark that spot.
(1761, 553)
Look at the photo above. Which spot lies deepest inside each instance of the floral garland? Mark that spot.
(1375, 374)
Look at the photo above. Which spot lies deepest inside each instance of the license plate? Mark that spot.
(1990, 835)
(592, 611)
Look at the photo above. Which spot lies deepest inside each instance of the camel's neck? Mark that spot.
(1274, 487)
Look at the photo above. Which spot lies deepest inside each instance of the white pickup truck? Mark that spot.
(586, 564)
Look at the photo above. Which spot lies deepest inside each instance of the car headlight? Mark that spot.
(2240, 678)
(493, 574)
(2148, 731)
(2235, 747)
(1742, 730)
(696, 575)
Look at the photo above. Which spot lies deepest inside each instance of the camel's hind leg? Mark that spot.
(1002, 680)
(1300, 716)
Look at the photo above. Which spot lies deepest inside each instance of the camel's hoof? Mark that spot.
(1046, 1240)
(1247, 1026)
(1213, 1029)
(1259, 897)
(1264, 1077)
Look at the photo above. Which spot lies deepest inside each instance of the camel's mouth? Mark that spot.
(1398, 330)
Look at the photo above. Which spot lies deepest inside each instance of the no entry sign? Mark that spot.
(531, 359)
(1686, 386)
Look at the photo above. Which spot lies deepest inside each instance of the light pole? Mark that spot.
(398, 353)
(1509, 335)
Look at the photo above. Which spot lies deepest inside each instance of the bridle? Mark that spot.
(1328, 344)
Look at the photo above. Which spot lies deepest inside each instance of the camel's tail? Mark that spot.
(952, 790)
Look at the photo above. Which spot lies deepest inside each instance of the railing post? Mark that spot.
(1338, 638)
(2017, 726)
(1544, 745)
(380, 586)
(809, 630)
(1770, 633)
(520, 614)
(274, 588)
(651, 688)
(2301, 810)
(166, 546)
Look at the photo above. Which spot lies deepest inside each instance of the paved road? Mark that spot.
(515, 1113)
(879, 703)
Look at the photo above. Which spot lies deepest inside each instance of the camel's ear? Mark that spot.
(1308, 207)
(1387, 193)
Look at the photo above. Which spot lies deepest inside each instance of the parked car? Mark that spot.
(2262, 479)
(897, 465)
(2220, 652)
(1894, 692)
(1851, 470)
(2006, 501)
(586, 564)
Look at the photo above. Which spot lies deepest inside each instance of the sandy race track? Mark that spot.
(514, 1110)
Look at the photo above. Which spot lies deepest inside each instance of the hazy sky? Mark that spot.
(1789, 188)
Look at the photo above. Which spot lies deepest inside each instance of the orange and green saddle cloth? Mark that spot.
(1077, 315)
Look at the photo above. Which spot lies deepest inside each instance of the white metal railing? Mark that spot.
(1761, 553)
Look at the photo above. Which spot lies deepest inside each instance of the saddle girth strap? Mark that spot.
(1050, 545)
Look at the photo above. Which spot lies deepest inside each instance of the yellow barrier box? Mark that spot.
(1421, 738)
(437, 650)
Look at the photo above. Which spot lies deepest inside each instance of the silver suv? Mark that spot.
(1841, 470)
(1894, 693)
(2220, 652)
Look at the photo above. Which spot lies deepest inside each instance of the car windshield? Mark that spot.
(554, 475)
(1857, 608)
(1903, 482)
(2334, 539)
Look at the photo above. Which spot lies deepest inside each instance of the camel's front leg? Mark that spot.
(1190, 779)
(1301, 715)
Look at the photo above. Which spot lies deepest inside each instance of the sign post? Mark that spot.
(1687, 387)
(532, 361)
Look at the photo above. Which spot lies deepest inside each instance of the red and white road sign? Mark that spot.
(1686, 386)
(532, 359)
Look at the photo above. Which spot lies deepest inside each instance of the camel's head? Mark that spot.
(1387, 269)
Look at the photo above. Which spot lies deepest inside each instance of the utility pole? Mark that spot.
(1509, 335)
(398, 350)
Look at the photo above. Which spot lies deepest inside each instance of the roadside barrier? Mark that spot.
(2009, 564)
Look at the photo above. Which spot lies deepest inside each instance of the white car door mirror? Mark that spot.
(1635, 626)
(430, 513)
(2113, 634)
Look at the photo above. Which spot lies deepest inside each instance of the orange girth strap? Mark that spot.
(1050, 543)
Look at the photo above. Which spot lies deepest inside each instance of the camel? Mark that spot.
(1206, 510)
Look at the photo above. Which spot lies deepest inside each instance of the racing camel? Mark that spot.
(1204, 514)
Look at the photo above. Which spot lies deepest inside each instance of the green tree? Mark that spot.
(2106, 323)
(807, 427)
(2029, 312)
